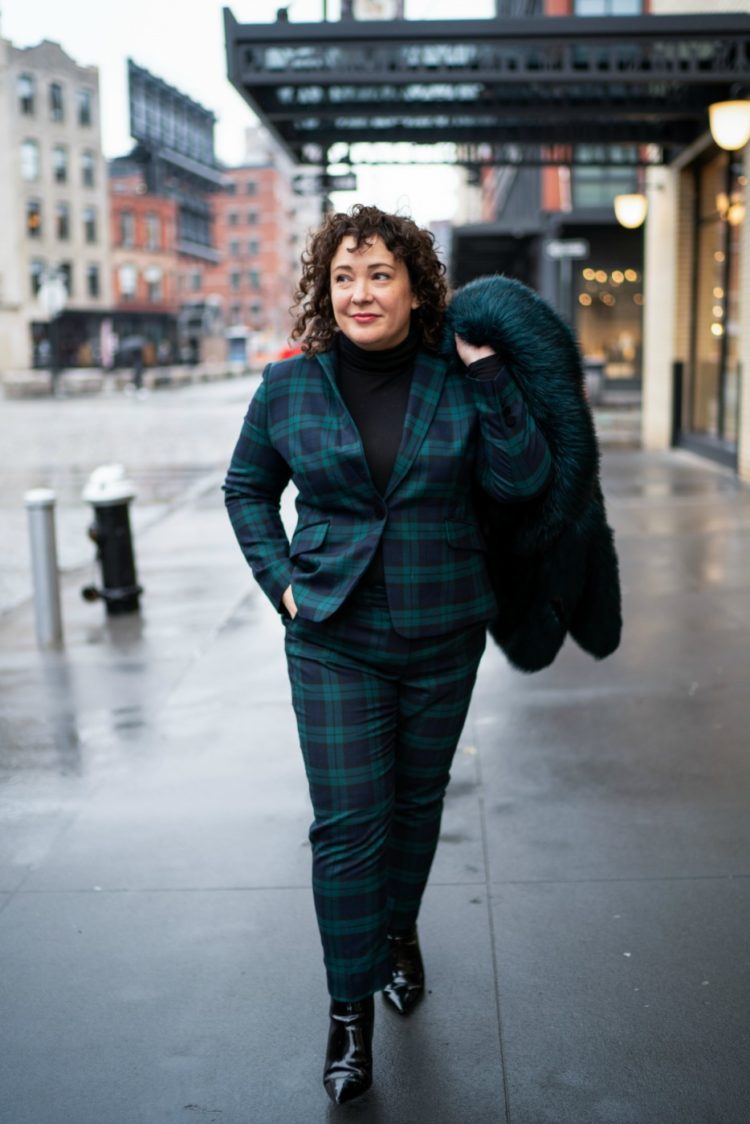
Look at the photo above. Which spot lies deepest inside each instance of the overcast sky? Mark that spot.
(183, 43)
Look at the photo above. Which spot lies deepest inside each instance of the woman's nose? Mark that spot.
(361, 290)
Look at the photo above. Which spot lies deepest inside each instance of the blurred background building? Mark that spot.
(55, 273)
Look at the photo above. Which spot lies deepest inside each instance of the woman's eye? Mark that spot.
(383, 276)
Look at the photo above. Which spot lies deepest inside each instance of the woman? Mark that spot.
(384, 588)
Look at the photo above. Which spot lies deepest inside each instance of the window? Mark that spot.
(65, 270)
(712, 389)
(85, 104)
(92, 281)
(252, 217)
(595, 185)
(608, 7)
(153, 231)
(232, 218)
(127, 228)
(30, 160)
(128, 279)
(254, 278)
(33, 218)
(88, 168)
(253, 247)
(230, 188)
(235, 314)
(195, 280)
(234, 279)
(89, 224)
(62, 221)
(60, 163)
(25, 90)
(153, 277)
(56, 106)
(251, 187)
(37, 272)
(234, 248)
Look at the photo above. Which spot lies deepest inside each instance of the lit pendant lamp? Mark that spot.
(729, 122)
(630, 210)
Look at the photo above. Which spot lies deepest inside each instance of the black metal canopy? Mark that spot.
(506, 90)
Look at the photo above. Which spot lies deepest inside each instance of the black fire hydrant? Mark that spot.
(109, 493)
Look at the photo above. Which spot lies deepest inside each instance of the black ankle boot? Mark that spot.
(348, 1068)
(407, 982)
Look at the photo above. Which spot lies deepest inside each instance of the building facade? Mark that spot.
(55, 274)
(260, 227)
(697, 297)
(145, 266)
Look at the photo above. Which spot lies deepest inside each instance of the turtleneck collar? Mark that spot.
(380, 362)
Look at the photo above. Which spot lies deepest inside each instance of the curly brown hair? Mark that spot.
(315, 324)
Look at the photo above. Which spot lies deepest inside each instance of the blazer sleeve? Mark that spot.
(255, 481)
(514, 460)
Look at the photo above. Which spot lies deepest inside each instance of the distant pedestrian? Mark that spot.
(138, 368)
(391, 440)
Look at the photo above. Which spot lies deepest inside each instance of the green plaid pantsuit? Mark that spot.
(380, 683)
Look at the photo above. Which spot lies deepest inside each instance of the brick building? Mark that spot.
(259, 230)
(143, 237)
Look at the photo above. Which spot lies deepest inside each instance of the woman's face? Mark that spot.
(371, 294)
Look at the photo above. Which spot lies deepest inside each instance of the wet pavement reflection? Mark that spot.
(591, 888)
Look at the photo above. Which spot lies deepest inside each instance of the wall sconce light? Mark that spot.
(730, 209)
(630, 210)
(729, 122)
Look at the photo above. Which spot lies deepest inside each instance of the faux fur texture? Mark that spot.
(552, 559)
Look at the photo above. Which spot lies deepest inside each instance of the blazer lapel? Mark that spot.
(424, 395)
(358, 463)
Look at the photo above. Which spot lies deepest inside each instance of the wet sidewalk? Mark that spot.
(585, 929)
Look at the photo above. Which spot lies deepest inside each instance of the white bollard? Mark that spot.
(40, 505)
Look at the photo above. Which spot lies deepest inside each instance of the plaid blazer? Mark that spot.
(459, 433)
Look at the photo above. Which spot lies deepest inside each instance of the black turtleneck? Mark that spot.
(375, 387)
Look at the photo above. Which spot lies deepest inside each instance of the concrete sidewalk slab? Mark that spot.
(157, 931)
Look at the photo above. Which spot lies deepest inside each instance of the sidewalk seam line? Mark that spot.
(491, 925)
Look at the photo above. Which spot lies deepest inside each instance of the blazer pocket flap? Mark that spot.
(308, 538)
(465, 536)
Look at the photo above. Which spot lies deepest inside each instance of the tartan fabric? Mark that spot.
(459, 433)
(379, 718)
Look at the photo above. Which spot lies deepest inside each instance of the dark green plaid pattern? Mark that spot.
(379, 718)
(459, 432)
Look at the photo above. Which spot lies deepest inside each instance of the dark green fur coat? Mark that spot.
(552, 559)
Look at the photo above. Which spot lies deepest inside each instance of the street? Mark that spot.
(169, 442)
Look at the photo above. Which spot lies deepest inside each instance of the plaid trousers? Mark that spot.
(379, 719)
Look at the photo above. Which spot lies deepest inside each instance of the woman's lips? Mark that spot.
(365, 317)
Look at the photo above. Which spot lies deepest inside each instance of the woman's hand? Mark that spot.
(469, 353)
(289, 602)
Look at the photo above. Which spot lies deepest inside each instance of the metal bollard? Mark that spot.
(110, 494)
(40, 505)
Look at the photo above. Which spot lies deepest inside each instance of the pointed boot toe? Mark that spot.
(348, 1064)
(345, 1088)
(406, 986)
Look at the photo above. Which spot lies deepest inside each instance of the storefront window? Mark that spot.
(714, 385)
(608, 303)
